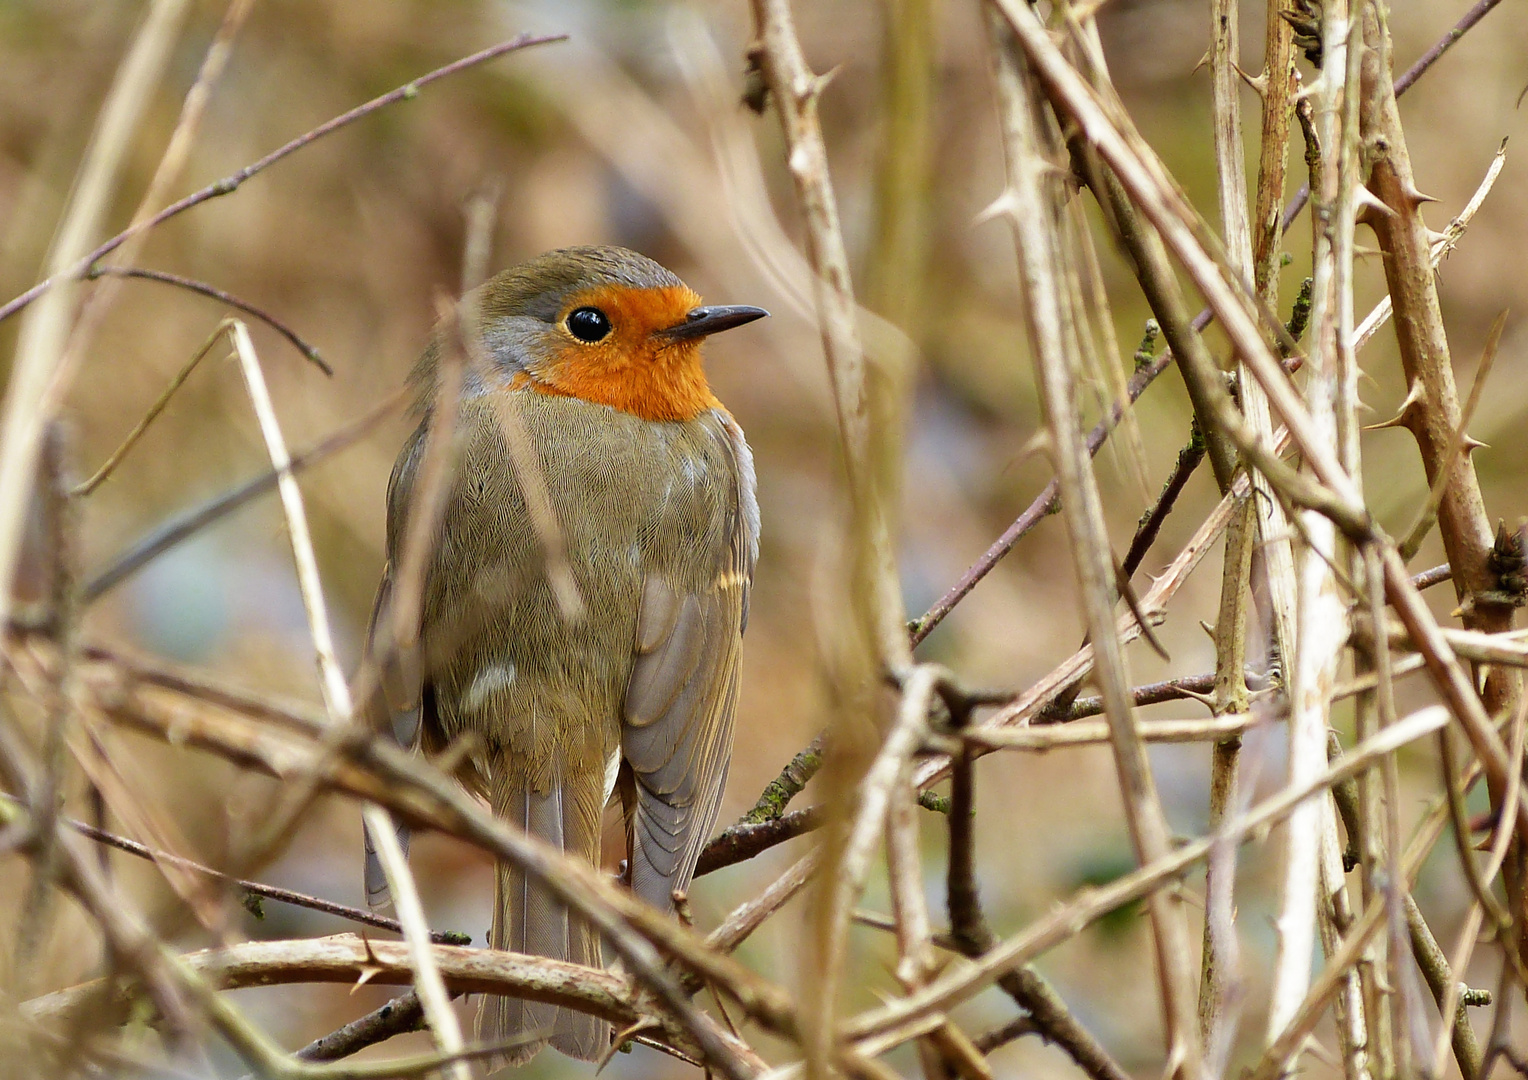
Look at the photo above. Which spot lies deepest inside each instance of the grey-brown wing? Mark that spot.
(677, 735)
(677, 731)
(391, 701)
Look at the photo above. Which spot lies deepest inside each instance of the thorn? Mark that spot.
(1259, 83)
(1415, 197)
(1204, 62)
(1367, 200)
(1003, 204)
(1316, 86)
(624, 1036)
(1469, 444)
(369, 968)
(1206, 700)
(820, 83)
(1413, 395)
(1436, 238)
(1207, 628)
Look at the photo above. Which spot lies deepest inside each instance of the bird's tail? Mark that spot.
(378, 896)
(527, 918)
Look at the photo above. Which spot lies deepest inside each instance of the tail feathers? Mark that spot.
(530, 919)
(378, 897)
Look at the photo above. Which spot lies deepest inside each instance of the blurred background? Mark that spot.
(632, 132)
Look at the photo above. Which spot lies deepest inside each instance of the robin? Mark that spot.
(651, 485)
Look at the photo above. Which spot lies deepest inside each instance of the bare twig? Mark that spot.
(231, 183)
(958, 985)
(336, 691)
(113, 459)
(345, 958)
(1029, 202)
(44, 336)
(212, 292)
(193, 521)
(252, 888)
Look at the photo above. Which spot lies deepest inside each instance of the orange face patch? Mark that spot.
(634, 368)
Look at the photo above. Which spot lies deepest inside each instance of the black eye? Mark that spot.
(589, 325)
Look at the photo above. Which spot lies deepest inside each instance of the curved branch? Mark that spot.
(231, 183)
(349, 958)
(201, 288)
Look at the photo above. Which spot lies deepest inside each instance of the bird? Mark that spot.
(634, 686)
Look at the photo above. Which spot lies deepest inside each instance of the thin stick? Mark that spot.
(400, 1015)
(750, 915)
(115, 457)
(1468, 934)
(193, 521)
(874, 799)
(1028, 203)
(746, 839)
(253, 888)
(212, 292)
(1321, 613)
(428, 983)
(1092, 733)
(795, 91)
(957, 985)
(44, 334)
(232, 182)
(432, 991)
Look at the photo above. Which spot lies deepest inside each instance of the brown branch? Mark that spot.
(957, 985)
(231, 183)
(399, 1016)
(1434, 415)
(1440, 978)
(970, 933)
(201, 288)
(747, 839)
(188, 524)
(347, 958)
(1031, 203)
(252, 888)
(1045, 503)
(1150, 525)
(778, 793)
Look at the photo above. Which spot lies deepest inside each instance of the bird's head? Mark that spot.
(603, 324)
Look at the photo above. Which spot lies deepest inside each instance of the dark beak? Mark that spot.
(703, 321)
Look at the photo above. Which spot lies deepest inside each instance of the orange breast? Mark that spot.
(635, 369)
